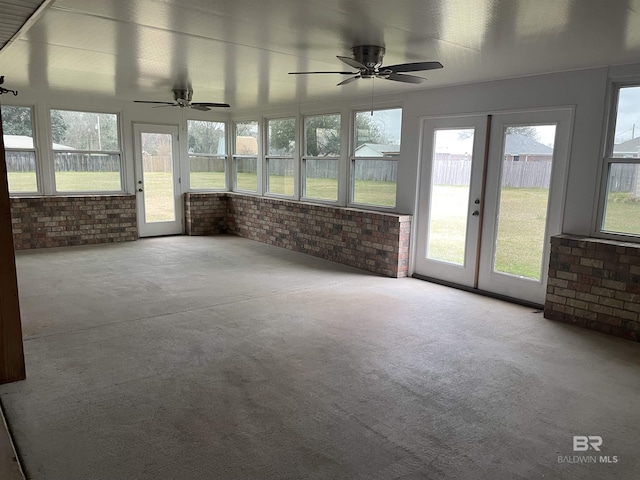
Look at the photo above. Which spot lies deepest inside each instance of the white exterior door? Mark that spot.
(488, 204)
(158, 184)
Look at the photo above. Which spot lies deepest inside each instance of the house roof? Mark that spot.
(518, 144)
(630, 146)
(380, 149)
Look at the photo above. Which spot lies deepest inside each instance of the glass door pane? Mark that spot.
(450, 185)
(157, 174)
(523, 200)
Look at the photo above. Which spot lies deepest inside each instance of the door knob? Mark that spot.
(477, 201)
(475, 213)
(139, 189)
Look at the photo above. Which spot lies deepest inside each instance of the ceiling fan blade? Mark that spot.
(307, 73)
(352, 63)
(202, 108)
(159, 103)
(348, 80)
(413, 67)
(398, 77)
(209, 104)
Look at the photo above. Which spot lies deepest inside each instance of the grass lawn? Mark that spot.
(521, 225)
(623, 213)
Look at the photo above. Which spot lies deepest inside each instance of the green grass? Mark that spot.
(521, 225)
(623, 213)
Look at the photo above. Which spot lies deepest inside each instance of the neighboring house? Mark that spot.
(377, 150)
(24, 142)
(521, 148)
(628, 149)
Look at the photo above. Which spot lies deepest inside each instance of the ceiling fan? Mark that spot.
(182, 99)
(368, 60)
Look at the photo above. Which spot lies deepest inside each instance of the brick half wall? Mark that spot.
(595, 284)
(79, 220)
(374, 241)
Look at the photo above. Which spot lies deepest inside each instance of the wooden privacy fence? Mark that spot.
(623, 177)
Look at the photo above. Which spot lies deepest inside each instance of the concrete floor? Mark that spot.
(222, 358)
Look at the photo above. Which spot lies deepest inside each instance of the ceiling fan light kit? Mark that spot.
(367, 59)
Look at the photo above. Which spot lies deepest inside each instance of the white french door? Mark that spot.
(491, 195)
(158, 180)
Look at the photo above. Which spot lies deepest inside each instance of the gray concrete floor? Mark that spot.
(222, 358)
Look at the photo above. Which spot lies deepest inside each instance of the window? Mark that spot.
(375, 156)
(621, 209)
(321, 160)
(207, 155)
(245, 156)
(86, 151)
(20, 151)
(281, 145)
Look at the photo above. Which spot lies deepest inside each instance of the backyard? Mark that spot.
(520, 229)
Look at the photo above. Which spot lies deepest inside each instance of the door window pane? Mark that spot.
(157, 172)
(524, 198)
(450, 185)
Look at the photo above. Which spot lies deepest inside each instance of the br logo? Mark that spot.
(583, 443)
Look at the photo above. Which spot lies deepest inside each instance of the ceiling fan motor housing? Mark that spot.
(369, 55)
(182, 96)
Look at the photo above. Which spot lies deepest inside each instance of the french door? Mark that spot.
(491, 196)
(158, 180)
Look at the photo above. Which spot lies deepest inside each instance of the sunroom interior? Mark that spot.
(512, 171)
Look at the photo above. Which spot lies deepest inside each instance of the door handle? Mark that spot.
(475, 213)
(139, 189)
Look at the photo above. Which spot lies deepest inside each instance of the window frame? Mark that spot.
(120, 153)
(224, 158)
(304, 157)
(34, 149)
(236, 156)
(610, 159)
(352, 160)
(267, 156)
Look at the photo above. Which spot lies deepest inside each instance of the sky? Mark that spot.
(628, 114)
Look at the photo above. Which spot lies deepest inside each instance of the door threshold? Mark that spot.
(498, 296)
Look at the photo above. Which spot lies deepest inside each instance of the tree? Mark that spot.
(524, 130)
(323, 135)
(206, 137)
(58, 126)
(17, 121)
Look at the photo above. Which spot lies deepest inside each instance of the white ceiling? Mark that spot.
(240, 51)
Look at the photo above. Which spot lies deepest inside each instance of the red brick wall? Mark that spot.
(61, 221)
(595, 284)
(205, 213)
(374, 241)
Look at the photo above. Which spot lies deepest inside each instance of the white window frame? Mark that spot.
(224, 158)
(236, 156)
(353, 158)
(610, 159)
(35, 151)
(267, 157)
(90, 152)
(305, 157)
